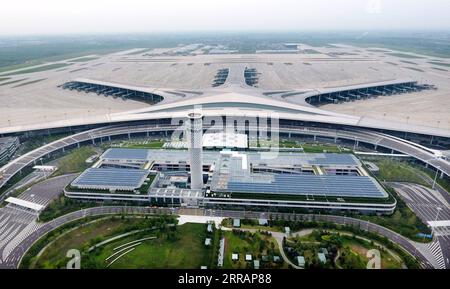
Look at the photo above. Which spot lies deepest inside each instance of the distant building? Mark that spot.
(234, 256)
(277, 259)
(236, 223)
(208, 242)
(248, 257)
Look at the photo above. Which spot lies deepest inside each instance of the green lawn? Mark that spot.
(75, 161)
(320, 148)
(396, 171)
(147, 254)
(150, 145)
(54, 254)
(187, 251)
(307, 148)
(356, 249)
(255, 244)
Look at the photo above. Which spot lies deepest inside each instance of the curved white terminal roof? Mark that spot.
(235, 99)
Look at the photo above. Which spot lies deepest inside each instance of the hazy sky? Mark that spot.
(119, 16)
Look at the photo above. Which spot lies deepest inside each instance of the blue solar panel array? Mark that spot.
(335, 159)
(105, 178)
(126, 154)
(333, 186)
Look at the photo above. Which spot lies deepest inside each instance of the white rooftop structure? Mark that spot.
(225, 140)
(45, 168)
(256, 264)
(25, 204)
(435, 224)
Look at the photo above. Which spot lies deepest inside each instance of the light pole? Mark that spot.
(435, 177)
(437, 216)
(356, 141)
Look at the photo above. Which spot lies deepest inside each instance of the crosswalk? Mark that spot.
(433, 252)
(24, 233)
(15, 225)
(435, 249)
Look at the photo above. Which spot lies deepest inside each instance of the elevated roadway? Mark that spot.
(429, 157)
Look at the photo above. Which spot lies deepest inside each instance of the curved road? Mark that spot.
(14, 258)
(414, 150)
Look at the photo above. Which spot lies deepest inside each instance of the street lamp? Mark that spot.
(435, 177)
(437, 216)
(356, 141)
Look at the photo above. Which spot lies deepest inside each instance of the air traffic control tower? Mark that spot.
(194, 139)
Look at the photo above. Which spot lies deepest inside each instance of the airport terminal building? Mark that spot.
(234, 179)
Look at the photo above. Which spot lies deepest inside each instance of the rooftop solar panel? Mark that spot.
(126, 154)
(111, 178)
(333, 186)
